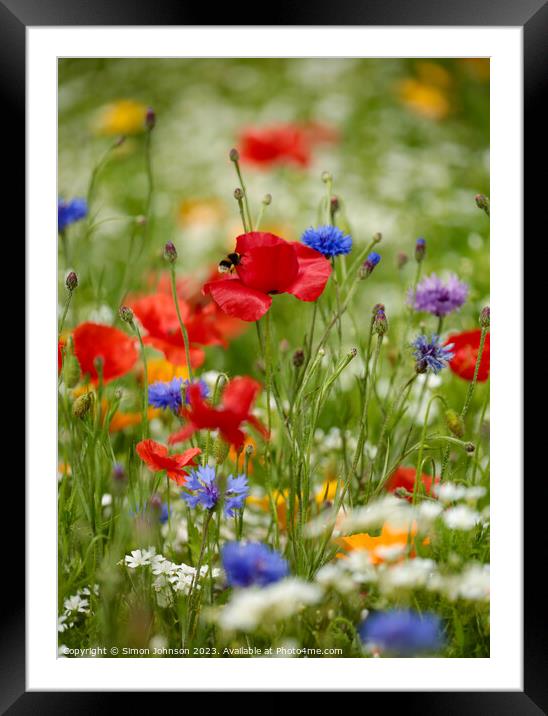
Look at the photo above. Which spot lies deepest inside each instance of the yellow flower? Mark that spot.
(424, 99)
(201, 212)
(126, 116)
(328, 491)
(164, 371)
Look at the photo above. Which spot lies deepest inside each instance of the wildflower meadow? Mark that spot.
(273, 358)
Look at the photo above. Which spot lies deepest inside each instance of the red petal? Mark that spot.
(256, 239)
(405, 477)
(182, 435)
(239, 394)
(256, 423)
(118, 351)
(151, 453)
(465, 348)
(238, 300)
(314, 272)
(270, 269)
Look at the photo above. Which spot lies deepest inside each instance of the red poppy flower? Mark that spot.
(118, 351)
(237, 401)
(155, 456)
(283, 143)
(158, 315)
(465, 348)
(269, 265)
(406, 477)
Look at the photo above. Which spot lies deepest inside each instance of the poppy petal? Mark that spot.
(313, 274)
(94, 340)
(270, 269)
(239, 394)
(237, 300)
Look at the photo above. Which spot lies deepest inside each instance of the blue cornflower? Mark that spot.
(402, 632)
(369, 264)
(429, 354)
(204, 490)
(168, 394)
(252, 563)
(328, 240)
(70, 211)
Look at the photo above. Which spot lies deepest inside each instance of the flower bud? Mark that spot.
(71, 281)
(267, 199)
(377, 307)
(118, 472)
(234, 155)
(71, 370)
(326, 177)
(170, 252)
(369, 264)
(238, 194)
(82, 405)
(420, 249)
(334, 205)
(401, 259)
(150, 119)
(454, 422)
(482, 202)
(380, 323)
(126, 314)
(220, 450)
(298, 358)
(470, 448)
(485, 317)
(377, 238)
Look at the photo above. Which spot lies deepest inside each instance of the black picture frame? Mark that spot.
(532, 16)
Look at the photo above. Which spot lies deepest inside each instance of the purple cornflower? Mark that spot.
(402, 632)
(328, 240)
(168, 394)
(252, 563)
(429, 353)
(432, 295)
(204, 490)
(70, 211)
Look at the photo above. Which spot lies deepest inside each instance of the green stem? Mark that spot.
(181, 324)
(145, 381)
(367, 389)
(65, 311)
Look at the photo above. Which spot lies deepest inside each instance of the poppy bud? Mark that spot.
(82, 405)
(267, 199)
(455, 423)
(234, 155)
(420, 249)
(220, 450)
(170, 252)
(71, 370)
(377, 238)
(369, 264)
(238, 194)
(150, 119)
(126, 314)
(326, 177)
(482, 202)
(380, 323)
(470, 448)
(71, 281)
(401, 259)
(402, 492)
(485, 317)
(298, 358)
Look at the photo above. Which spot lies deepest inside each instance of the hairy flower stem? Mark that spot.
(92, 184)
(362, 437)
(192, 613)
(423, 439)
(266, 350)
(221, 378)
(150, 185)
(469, 395)
(181, 324)
(145, 380)
(245, 201)
(64, 314)
(400, 396)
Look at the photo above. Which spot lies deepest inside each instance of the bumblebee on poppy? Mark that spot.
(228, 265)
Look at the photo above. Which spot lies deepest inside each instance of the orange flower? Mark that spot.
(160, 370)
(425, 99)
(126, 116)
(380, 547)
(156, 458)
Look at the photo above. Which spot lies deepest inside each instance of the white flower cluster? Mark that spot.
(73, 606)
(254, 607)
(347, 575)
(168, 576)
